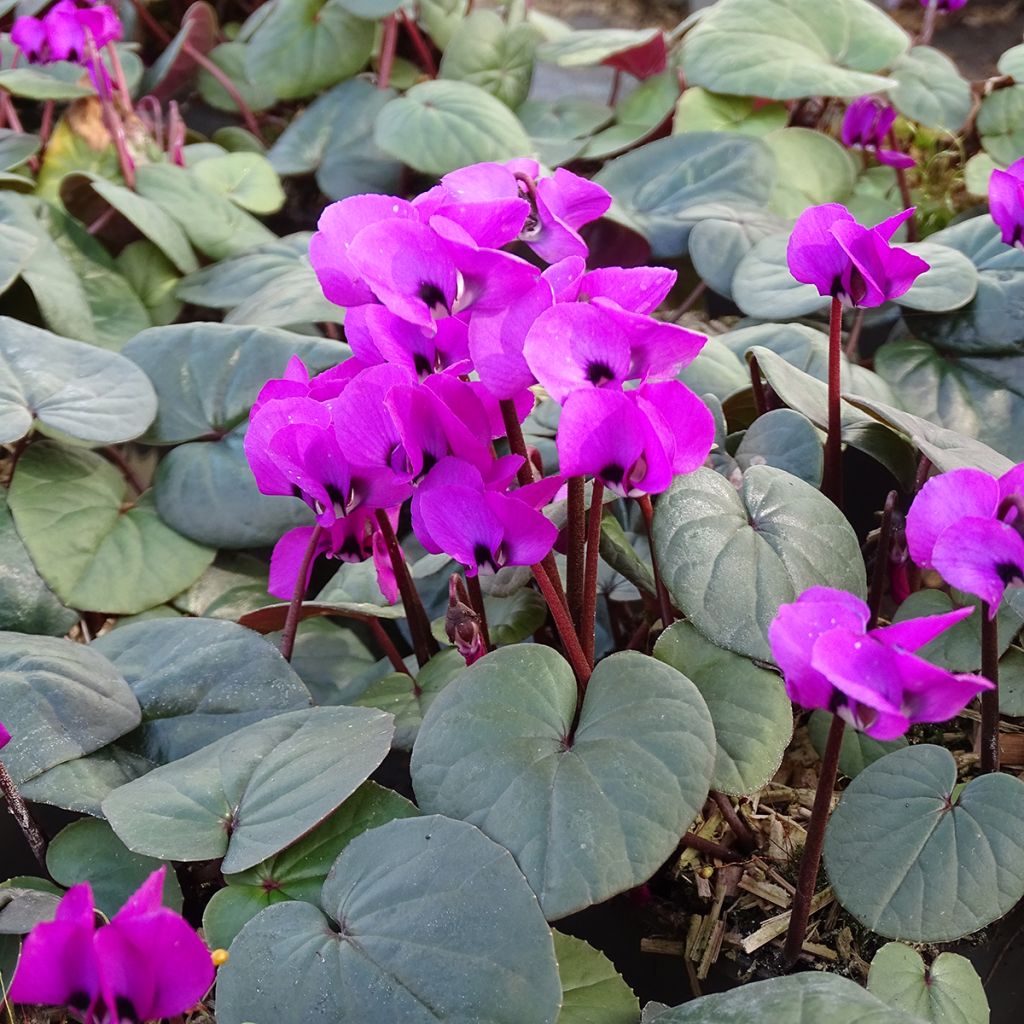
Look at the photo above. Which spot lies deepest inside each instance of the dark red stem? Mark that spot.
(575, 559)
(228, 86)
(571, 643)
(291, 622)
(419, 44)
(745, 838)
(589, 618)
(387, 51)
(833, 482)
(476, 599)
(905, 198)
(664, 604)
(711, 849)
(811, 858)
(380, 634)
(879, 573)
(990, 698)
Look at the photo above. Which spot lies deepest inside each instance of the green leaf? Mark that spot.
(951, 866)
(208, 375)
(395, 694)
(638, 115)
(1000, 123)
(74, 389)
(424, 883)
(251, 794)
(559, 128)
(571, 817)
(930, 90)
(335, 662)
(729, 558)
(18, 248)
(232, 59)
(233, 585)
(587, 48)
(751, 713)
(176, 67)
(812, 997)
(980, 396)
(664, 188)
(1011, 682)
(789, 49)
(947, 992)
(716, 371)
(763, 286)
(977, 172)
(991, 324)
(299, 872)
(303, 46)
(857, 750)
(812, 169)
(718, 243)
(61, 700)
(334, 137)
(88, 851)
(198, 680)
(16, 148)
(497, 57)
(94, 553)
(786, 440)
(83, 784)
(214, 225)
(701, 111)
(59, 81)
(439, 126)
(247, 179)
(592, 990)
(22, 907)
(153, 278)
(950, 281)
(946, 449)
(27, 605)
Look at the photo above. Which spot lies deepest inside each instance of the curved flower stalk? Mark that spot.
(147, 963)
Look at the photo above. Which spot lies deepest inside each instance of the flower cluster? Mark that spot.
(850, 262)
(147, 963)
(868, 677)
(65, 31)
(449, 333)
(969, 527)
(867, 124)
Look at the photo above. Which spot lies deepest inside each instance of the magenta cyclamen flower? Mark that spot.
(945, 5)
(147, 963)
(869, 678)
(1006, 202)
(866, 126)
(845, 260)
(5, 736)
(62, 32)
(969, 527)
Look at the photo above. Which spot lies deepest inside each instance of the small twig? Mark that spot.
(707, 846)
(389, 41)
(476, 600)
(853, 338)
(744, 837)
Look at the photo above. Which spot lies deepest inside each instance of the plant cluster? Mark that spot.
(375, 597)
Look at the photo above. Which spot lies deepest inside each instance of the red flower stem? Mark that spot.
(664, 604)
(743, 835)
(419, 43)
(811, 858)
(853, 338)
(127, 471)
(387, 645)
(389, 42)
(575, 560)
(833, 482)
(928, 24)
(9, 112)
(571, 643)
(46, 127)
(688, 303)
(23, 816)
(905, 198)
(251, 123)
(291, 622)
(880, 573)
(119, 77)
(151, 23)
(990, 698)
(423, 643)
(588, 623)
(476, 599)
(709, 848)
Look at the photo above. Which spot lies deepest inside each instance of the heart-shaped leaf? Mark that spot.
(592, 990)
(950, 281)
(729, 558)
(930, 89)
(718, 243)
(572, 817)
(559, 128)
(231, 59)
(763, 286)
(88, 851)
(786, 440)
(947, 992)
(425, 883)
(69, 387)
(299, 872)
(812, 169)
(808, 998)
(254, 792)
(208, 375)
(951, 863)
(438, 126)
(664, 188)
(1000, 123)
(857, 751)
(61, 700)
(323, 41)
(638, 115)
(198, 680)
(247, 179)
(813, 50)
(113, 558)
(751, 713)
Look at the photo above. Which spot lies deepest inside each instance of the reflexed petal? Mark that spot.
(888, 227)
(1011, 483)
(915, 633)
(680, 416)
(286, 560)
(29, 35)
(894, 158)
(638, 289)
(942, 502)
(449, 472)
(527, 535)
(886, 272)
(338, 225)
(460, 523)
(879, 725)
(277, 458)
(364, 425)
(813, 254)
(861, 667)
(981, 556)
(1006, 204)
(573, 200)
(931, 694)
(577, 345)
(408, 267)
(58, 965)
(657, 349)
